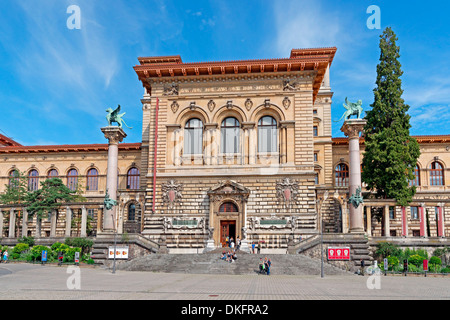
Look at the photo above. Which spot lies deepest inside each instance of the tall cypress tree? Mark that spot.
(390, 154)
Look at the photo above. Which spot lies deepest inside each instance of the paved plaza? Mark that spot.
(27, 281)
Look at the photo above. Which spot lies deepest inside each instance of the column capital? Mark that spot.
(353, 127)
(114, 134)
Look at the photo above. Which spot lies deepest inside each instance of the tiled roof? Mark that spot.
(67, 148)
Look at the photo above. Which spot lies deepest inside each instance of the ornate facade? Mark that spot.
(236, 148)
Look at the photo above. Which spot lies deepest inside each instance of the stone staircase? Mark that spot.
(210, 263)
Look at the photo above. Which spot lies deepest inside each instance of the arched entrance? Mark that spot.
(227, 214)
(227, 227)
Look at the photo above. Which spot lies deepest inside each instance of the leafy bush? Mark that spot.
(83, 243)
(416, 260)
(69, 254)
(414, 268)
(36, 252)
(435, 261)
(445, 270)
(20, 247)
(27, 240)
(386, 249)
(393, 262)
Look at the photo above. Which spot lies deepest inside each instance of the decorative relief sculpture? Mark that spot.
(108, 202)
(171, 90)
(183, 223)
(248, 104)
(289, 86)
(272, 223)
(174, 106)
(286, 103)
(356, 199)
(287, 190)
(171, 193)
(211, 105)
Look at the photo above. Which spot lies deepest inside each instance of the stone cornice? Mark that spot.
(317, 60)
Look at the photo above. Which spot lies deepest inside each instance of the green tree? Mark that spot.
(16, 192)
(52, 193)
(390, 154)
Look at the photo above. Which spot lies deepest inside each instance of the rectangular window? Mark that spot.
(230, 140)
(315, 131)
(391, 212)
(414, 212)
(267, 139)
(315, 156)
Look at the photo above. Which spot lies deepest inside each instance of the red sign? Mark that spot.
(339, 253)
(425, 265)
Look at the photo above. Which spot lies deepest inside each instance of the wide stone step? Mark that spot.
(212, 264)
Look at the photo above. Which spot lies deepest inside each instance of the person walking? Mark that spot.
(259, 247)
(5, 256)
(269, 263)
(253, 247)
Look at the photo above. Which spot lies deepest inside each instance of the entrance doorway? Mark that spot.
(227, 229)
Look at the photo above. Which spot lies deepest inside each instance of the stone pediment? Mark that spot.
(229, 187)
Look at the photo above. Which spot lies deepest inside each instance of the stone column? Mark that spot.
(404, 223)
(53, 217)
(352, 128)
(253, 144)
(114, 136)
(12, 223)
(422, 219)
(1, 223)
(38, 226)
(387, 226)
(24, 222)
(68, 222)
(440, 222)
(369, 220)
(83, 222)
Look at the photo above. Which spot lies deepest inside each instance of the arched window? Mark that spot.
(341, 175)
(267, 134)
(193, 137)
(53, 173)
(228, 207)
(131, 212)
(33, 180)
(14, 178)
(416, 180)
(436, 174)
(92, 180)
(72, 179)
(133, 179)
(230, 135)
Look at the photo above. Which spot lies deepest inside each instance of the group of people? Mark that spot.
(231, 244)
(229, 256)
(264, 266)
(4, 256)
(258, 247)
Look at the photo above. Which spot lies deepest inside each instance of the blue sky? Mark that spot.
(55, 83)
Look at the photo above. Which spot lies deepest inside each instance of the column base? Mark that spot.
(357, 230)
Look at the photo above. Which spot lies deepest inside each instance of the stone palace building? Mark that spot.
(233, 148)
